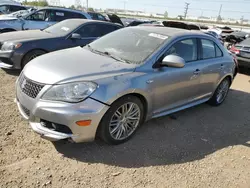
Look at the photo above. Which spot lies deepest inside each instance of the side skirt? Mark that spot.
(180, 108)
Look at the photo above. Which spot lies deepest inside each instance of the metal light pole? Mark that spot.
(87, 4)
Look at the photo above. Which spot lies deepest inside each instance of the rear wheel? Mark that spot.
(31, 55)
(121, 120)
(221, 93)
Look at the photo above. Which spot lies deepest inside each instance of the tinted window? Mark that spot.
(107, 28)
(218, 51)
(16, 8)
(187, 49)
(71, 15)
(96, 16)
(4, 8)
(60, 15)
(89, 30)
(208, 49)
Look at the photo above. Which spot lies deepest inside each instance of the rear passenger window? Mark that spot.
(218, 51)
(90, 30)
(208, 49)
(107, 28)
(187, 49)
(63, 15)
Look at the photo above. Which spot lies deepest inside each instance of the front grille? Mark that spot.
(29, 87)
(25, 110)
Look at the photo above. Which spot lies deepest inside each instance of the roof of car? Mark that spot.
(64, 9)
(79, 21)
(169, 31)
(14, 4)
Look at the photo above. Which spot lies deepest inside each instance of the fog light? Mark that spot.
(83, 123)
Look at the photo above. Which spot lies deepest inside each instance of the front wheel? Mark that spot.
(31, 55)
(121, 120)
(221, 93)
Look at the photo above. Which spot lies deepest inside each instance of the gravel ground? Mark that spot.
(201, 147)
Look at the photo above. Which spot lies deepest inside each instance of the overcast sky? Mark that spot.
(230, 8)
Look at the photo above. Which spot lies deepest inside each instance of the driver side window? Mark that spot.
(37, 16)
(187, 49)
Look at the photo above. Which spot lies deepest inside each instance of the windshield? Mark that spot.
(133, 44)
(63, 28)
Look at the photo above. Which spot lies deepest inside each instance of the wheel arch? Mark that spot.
(7, 30)
(41, 49)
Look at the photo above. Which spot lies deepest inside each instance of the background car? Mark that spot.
(110, 87)
(18, 49)
(7, 8)
(40, 19)
(242, 53)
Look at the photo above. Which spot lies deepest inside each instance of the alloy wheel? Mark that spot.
(124, 121)
(222, 91)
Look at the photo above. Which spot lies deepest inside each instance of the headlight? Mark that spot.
(9, 47)
(73, 92)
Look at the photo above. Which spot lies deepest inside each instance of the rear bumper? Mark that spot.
(243, 62)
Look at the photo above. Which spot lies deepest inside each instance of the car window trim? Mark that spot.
(79, 27)
(160, 56)
(201, 58)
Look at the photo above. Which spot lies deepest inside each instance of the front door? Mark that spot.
(175, 87)
(39, 20)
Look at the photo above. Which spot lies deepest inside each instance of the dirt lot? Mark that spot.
(204, 147)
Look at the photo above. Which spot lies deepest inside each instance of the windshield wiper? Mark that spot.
(108, 54)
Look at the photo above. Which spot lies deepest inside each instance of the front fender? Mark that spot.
(113, 88)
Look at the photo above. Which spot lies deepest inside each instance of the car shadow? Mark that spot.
(245, 71)
(192, 135)
(12, 72)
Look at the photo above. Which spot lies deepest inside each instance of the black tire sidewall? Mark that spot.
(213, 101)
(27, 57)
(104, 132)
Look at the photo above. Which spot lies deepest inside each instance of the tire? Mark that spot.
(135, 110)
(220, 93)
(31, 55)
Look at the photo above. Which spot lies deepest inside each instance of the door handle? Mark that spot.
(221, 66)
(197, 71)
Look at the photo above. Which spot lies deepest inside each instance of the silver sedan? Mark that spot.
(112, 86)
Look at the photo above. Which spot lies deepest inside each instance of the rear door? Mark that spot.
(212, 58)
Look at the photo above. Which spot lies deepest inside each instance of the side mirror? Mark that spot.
(173, 61)
(75, 36)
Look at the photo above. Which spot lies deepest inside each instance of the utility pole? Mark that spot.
(124, 5)
(87, 4)
(219, 15)
(186, 9)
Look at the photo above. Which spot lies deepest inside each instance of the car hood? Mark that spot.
(24, 35)
(75, 64)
